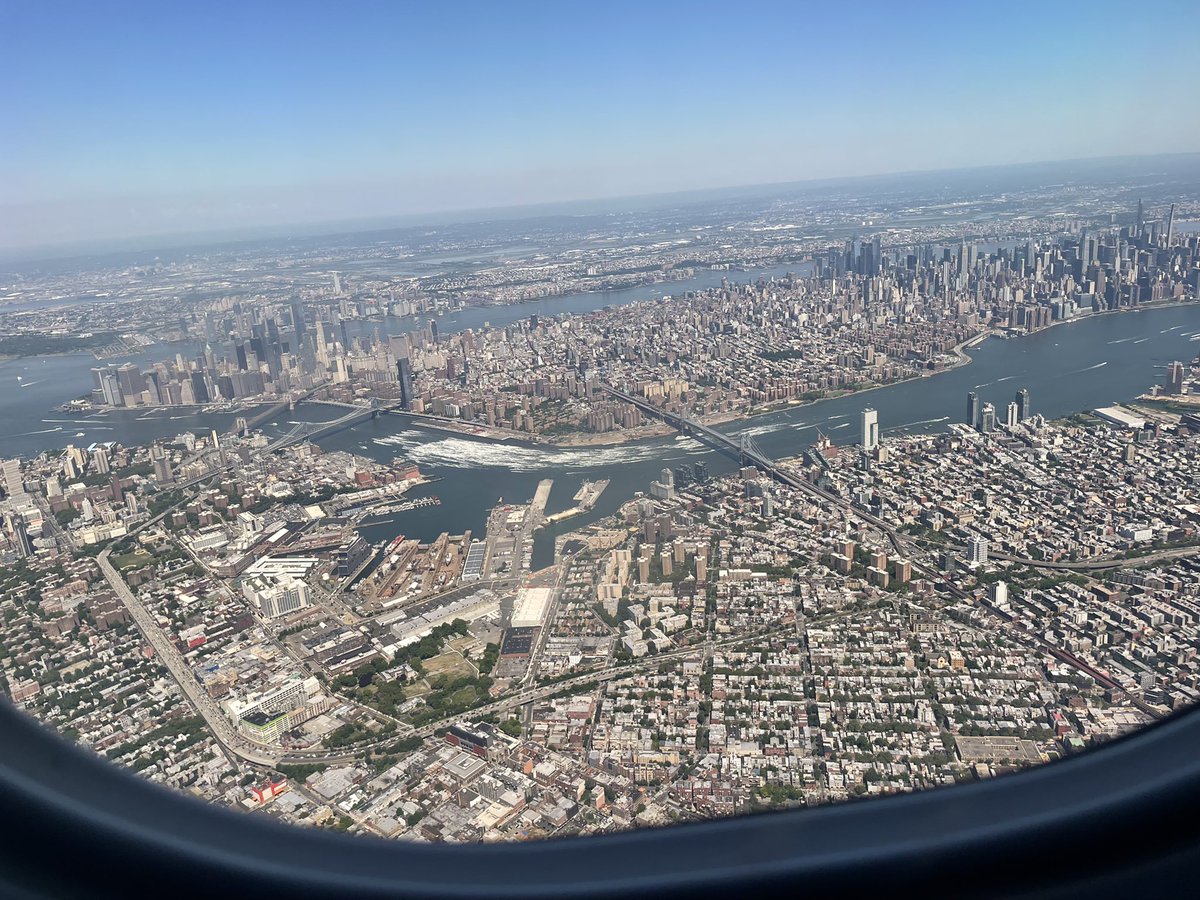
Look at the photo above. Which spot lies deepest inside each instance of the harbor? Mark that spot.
(586, 498)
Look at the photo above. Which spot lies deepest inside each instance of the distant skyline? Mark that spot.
(129, 120)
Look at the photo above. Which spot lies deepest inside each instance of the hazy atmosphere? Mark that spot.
(142, 119)
(455, 424)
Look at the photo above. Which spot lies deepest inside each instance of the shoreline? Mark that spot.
(583, 440)
(739, 267)
(958, 350)
(661, 430)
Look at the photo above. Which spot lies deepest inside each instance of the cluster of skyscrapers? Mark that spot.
(980, 417)
(264, 351)
(983, 418)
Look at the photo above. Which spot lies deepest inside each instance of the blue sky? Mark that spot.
(151, 118)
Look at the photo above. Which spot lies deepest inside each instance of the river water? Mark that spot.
(1080, 366)
(31, 388)
(477, 317)
(1092, 362)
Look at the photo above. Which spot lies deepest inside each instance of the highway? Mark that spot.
(218, 723)
(223, 730)
(167, 653)
(1102, 563)
(1095, 564)
(238, 745)
(748, 454)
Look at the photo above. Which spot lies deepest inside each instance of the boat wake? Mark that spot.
(997, 381)
(459, 453)
(43, 431)
(759, 430)
(922, 422)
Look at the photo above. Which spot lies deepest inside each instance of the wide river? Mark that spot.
(1092, 362)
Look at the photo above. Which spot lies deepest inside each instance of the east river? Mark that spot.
(1092, 362)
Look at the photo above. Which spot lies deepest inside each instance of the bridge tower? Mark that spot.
(748, 451)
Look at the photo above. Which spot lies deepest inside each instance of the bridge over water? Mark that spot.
(746, 453)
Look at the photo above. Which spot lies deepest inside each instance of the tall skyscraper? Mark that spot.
(1023, 409)
(987, 418)
(200, 388)
(20, 536)
(1013, 415)
(404, 376)
(1175, 378)
(107, 385)
(162, 465)
(297, 321)
(977, 552)
(1170, 224)
(870, 429)
(973, 409)
(322, 346)
(131, 380)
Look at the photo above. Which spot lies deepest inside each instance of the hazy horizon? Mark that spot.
(139, 120)
(456, 216)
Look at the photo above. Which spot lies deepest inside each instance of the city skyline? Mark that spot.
(492, 423)
(527, 529)
(201, 120)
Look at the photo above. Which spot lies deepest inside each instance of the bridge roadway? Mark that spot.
(358, 413)
(257, 754)
(730, 447)
(309, 430)
(223, 730)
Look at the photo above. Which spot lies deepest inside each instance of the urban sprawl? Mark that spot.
(888, 615)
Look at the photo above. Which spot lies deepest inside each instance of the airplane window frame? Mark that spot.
(1087, 825)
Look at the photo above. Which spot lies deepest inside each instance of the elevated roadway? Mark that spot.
(746, 453)
(168, 654)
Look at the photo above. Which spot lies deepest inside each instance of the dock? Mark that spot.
(541, 497)
(585, 499)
